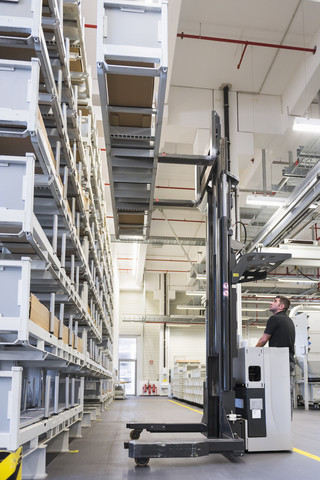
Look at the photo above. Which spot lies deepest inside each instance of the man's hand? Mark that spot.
(263, 340)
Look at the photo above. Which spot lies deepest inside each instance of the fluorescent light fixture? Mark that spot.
(297, 280)
(260, 326)
(254, 309)
(245, 302)
(191, 307)
(264, 200)
(302, 124)
(201, 276)
(196, 293)
(183, 325)
(315, 205)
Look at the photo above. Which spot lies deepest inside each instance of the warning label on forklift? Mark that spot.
(256, 413)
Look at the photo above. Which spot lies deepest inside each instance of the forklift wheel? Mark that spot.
(142, 462)
(134, 434)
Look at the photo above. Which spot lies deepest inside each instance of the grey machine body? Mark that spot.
(262, 393)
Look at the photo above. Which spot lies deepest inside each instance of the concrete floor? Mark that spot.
(99, 454)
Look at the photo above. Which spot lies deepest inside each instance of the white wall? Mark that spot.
(250, 335)
(187, 343)
(148, 335)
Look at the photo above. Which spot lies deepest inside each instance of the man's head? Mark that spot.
(279, 304)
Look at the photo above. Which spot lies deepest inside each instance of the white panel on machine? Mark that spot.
(263, 376)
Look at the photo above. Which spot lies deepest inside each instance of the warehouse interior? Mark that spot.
(108, 136)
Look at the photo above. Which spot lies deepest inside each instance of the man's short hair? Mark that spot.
(284, 301)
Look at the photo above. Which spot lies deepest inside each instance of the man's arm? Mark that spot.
(263, 340)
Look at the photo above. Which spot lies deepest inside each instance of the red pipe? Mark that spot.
(247, 42)
(172, 220)
(179, 220)
(168, 271)
(90, 25)
(175, 188)
(244, 51)
(177, 323)
(155, 270)
(166, 260)
(168, 188)
(158, 260)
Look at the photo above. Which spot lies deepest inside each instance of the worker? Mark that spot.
(280, 332)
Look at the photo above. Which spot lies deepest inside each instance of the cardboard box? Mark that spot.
(130, 91)
(39, 314)
(80, 345)
(131, 220)
(65, 334)
(45, 137)
(76, 65)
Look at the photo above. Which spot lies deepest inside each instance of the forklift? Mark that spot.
(223, 425)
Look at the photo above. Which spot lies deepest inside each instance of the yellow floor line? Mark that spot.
(306, 454)
(189, 408)
(73, 451)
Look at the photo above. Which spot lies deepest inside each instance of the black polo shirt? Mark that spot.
(282, 331)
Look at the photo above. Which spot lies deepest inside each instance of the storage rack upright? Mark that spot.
(56, 295)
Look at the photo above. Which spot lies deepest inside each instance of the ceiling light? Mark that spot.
(190, 307)
(265, 200)
(254, 309)
(261, 295)
(302, 124)
(315, 205)
(183, 325)
(260, 326)
(254, 319)
(298, 280)
(245, 302)
(201, 276)
(199, 293)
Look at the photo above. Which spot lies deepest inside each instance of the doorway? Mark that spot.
(128, 364)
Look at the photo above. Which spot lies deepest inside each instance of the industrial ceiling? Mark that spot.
(265, 52)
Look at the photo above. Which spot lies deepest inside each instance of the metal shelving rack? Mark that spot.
(132, 64)
(187, 381)
(56, 291)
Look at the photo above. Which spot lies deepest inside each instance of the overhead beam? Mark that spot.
(304, 84)
(304, 256)
(294, 211)
(159, 241)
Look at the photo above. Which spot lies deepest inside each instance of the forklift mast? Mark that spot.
(221, 326)
(223, 429)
